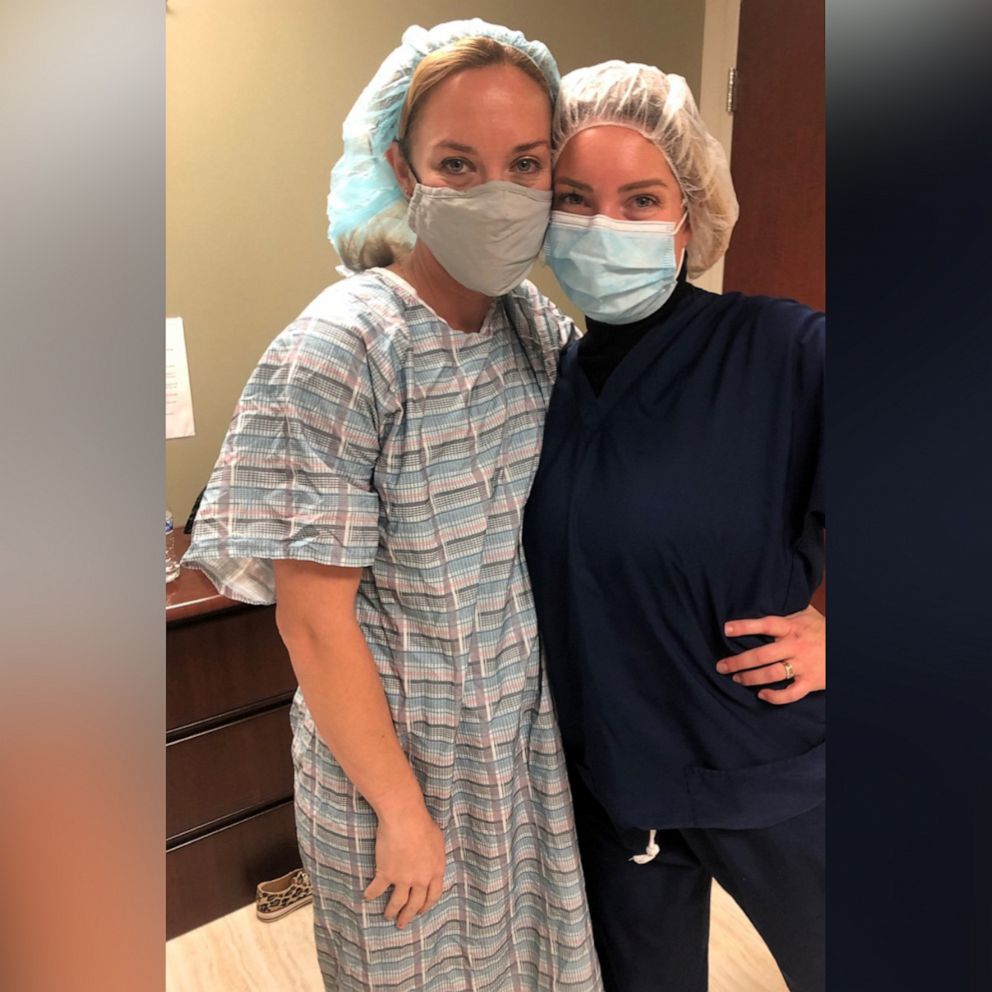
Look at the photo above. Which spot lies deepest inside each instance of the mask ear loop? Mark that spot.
(678, 227)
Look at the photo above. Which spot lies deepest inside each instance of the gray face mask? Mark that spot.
(486, 237)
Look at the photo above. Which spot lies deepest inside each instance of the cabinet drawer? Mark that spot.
(230, 770)
(217, 874)
(224, 662)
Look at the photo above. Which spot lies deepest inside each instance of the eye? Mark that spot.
(529, 165)
(568, 198)
(645, 201)
(454, 166)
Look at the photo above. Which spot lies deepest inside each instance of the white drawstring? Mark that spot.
(650, 852)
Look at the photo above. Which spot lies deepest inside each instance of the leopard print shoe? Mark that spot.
(282, 895)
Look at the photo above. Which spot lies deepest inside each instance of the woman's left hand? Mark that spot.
(799, 652)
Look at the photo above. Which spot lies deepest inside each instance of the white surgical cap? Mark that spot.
(661, 108)
(366, 205)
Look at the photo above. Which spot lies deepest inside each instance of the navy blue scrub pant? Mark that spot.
(651, 922)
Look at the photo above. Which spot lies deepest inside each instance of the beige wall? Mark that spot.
(256, 93)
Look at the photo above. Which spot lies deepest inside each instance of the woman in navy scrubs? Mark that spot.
(675, 535)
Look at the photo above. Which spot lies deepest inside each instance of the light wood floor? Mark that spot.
(237, 953)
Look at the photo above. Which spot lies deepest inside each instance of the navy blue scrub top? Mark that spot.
(688, 492)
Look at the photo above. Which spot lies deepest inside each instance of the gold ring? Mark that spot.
(790, 672)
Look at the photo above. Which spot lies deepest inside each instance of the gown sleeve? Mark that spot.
(294, 475)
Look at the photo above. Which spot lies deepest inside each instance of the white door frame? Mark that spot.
(720, 31)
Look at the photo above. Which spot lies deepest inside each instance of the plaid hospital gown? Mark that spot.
(373, 435)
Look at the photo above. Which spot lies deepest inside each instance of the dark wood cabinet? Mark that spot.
(229, 772)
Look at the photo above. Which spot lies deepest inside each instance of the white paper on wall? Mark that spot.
(178, 399)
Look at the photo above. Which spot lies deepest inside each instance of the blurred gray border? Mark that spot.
(82, 276)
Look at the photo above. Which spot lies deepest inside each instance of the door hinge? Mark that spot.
(732, 90)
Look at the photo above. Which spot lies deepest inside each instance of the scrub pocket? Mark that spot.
(759, 796)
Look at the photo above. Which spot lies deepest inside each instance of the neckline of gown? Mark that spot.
(456, 336)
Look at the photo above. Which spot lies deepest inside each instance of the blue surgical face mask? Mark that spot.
(615, 271)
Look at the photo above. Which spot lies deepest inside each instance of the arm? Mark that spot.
(315, 614)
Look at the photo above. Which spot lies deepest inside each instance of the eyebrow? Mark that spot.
(469, 150)
(573, 182)
(530, 146)
(643, 184)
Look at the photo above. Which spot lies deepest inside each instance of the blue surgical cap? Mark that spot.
(365, 203)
